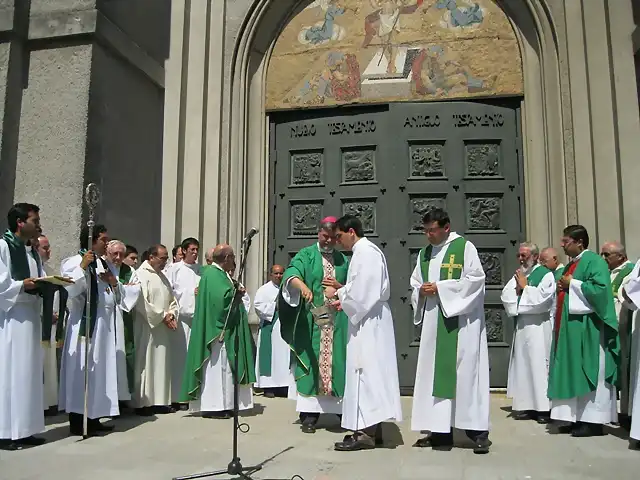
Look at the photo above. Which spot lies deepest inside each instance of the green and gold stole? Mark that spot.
(446, 357)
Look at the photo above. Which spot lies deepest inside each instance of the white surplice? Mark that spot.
(264, 304)
(154, 378)
(103, 368)
(184, 279)
(50, 354)
(131, 294)
(531, 347)
(216, 391)
(21, 358)
(629, 294)
(599, 406)
(310, 403)
(372, 390)
(463, 298)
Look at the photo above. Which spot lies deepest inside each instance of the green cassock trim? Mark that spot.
(300, 331)
(557, 274)
(214, 299)
(575, 354)
(127, 319)
(446, 356)
(266, 346)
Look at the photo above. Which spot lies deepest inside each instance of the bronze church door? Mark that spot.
(387, 165)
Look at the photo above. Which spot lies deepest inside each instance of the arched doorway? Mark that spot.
(540, 133)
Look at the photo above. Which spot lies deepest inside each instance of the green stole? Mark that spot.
(557, 274)
(126, 272)
(266, 347)
(446, 356)
(214, 299)
(300, 331)
(536, 276)
(20, 271)
(575, 359)
(622, 274)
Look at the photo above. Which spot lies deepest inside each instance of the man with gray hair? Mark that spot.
(529, 297)
(549, 258)
(620, 267)
(123, 313)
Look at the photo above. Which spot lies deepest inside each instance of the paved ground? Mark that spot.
(166, 446)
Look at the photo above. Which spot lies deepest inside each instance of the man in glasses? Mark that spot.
(316, 332)
(620, 267)
(585, 351)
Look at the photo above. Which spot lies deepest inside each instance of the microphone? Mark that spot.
(252, 233)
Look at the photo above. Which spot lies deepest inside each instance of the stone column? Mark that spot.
(84, 95)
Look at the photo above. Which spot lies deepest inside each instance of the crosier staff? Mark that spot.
(91, 198)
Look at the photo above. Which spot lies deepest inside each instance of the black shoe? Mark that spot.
(584, 430)
(97, 427)
(355, 442)
(634, 444)
(51, 412)
(309, 425)
(481, 446)
(269, 394)
(31, 441)
(437, 441)
(543, 418)
(526, 415)
(163, 409)
(9, 445)
(144, 411)
(223, 415)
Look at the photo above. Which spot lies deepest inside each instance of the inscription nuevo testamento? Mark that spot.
(349, 128)
(303, 130)
(486, 120)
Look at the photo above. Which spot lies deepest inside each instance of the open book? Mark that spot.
(56, 280)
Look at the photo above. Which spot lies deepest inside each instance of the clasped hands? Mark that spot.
(428, 289)
(521, 281)
(170, 321)
(563, 283)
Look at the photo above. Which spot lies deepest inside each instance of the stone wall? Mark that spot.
(82, 89)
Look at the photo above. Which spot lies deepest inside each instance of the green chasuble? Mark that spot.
(127, 319)
(300, 331)
(575, 351)
(535, 277)
(446, 357)
(215, 295)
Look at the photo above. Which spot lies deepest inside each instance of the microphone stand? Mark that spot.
(235, 467)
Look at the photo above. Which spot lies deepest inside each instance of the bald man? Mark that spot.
(208, 257)
(274, 356)
(208, 380)
(620, 267)
(549, 259)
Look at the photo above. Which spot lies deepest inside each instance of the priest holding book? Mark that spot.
(21, 357)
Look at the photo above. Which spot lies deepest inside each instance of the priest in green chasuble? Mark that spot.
(452, 378)
(208, 376)
(620, 267)
(316, 333)
(585, 351)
